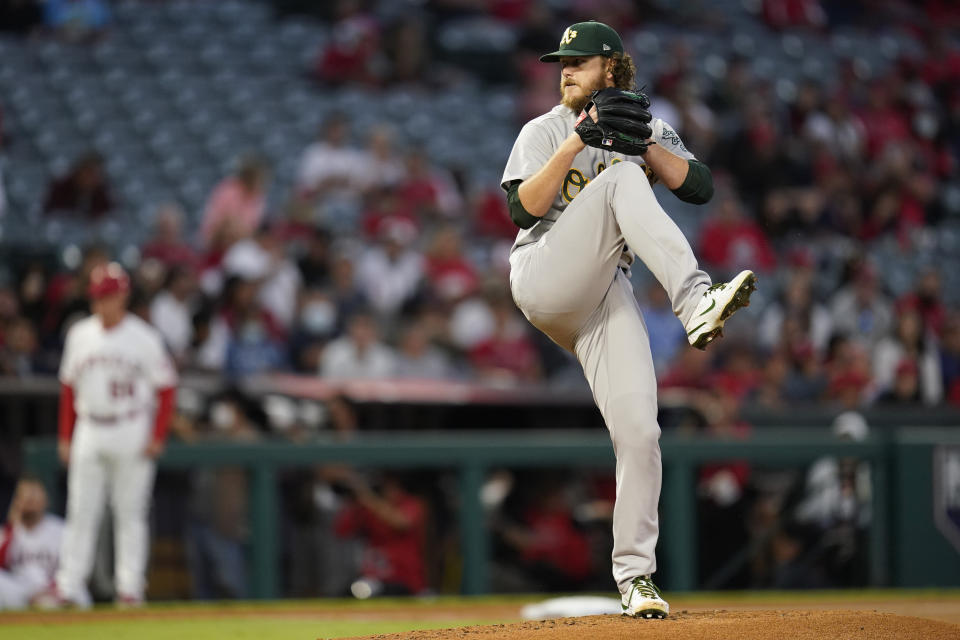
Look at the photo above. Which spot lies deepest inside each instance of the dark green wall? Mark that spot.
(923, 556)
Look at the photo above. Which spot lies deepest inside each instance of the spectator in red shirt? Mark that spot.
(926, 300)
(784, 14)
(729, 240)
(384, 207)
(848, 373)
(509, 354)
(355, 41)
(451, 277)
(394, 523)
(882, 120)
(739, 374)
(428, 189)
(689, 372)
(491, 217)
(550, 545)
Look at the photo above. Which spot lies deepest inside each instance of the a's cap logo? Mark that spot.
(568, 36)
(606, 47)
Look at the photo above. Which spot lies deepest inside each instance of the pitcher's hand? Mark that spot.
(154, 450)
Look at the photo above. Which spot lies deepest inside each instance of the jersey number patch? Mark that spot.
(121, 389)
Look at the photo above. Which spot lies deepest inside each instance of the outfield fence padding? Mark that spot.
(907, 546)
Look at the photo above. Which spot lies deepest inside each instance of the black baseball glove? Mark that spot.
(623, 122)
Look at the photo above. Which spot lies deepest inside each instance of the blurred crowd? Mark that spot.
(383, 263)
(399, 295)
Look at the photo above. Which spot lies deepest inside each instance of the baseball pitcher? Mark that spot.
(578, 184)
(29, 546)
(117, 392)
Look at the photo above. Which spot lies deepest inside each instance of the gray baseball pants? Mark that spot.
(569, 286)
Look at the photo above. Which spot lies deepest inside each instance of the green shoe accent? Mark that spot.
(694, 330)
(654, 605)
(713, 303)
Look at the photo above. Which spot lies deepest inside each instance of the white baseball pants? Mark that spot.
(569, 286)
(18, 588)
(107, 464)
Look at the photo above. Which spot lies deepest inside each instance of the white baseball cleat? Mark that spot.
(719, 302)
(51, 600)
(644, 600)
(124, 601)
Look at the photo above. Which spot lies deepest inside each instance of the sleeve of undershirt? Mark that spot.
(6, 539)
(163, 377)
(161, 420)
(520, 216)
(697, 187)
(67, 414)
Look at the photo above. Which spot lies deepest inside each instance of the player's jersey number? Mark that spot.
(121, 389)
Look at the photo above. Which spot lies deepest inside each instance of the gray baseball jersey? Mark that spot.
(538, 140)
(567, 276)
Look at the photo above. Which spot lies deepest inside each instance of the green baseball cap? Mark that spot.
(586, 39)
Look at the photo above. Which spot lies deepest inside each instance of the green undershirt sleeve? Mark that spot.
(520, 216)
(697, 188)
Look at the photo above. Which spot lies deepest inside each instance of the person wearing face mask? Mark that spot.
(29, 546)
(254, 349)
(318, 320)
(245, 337)
(319, 317)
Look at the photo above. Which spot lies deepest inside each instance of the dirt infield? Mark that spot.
(705, 625)
(931, 615)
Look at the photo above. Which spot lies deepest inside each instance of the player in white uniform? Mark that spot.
(117, 392)
(29, 546)
(584, 214)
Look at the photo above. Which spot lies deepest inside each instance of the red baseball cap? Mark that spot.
(107, 279)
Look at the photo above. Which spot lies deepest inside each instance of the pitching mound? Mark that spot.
(708, 625)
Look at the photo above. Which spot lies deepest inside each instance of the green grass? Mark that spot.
(327, 619)
(308, 619)
(210, 629)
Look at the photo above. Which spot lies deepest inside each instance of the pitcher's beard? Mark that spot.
(576, 104)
